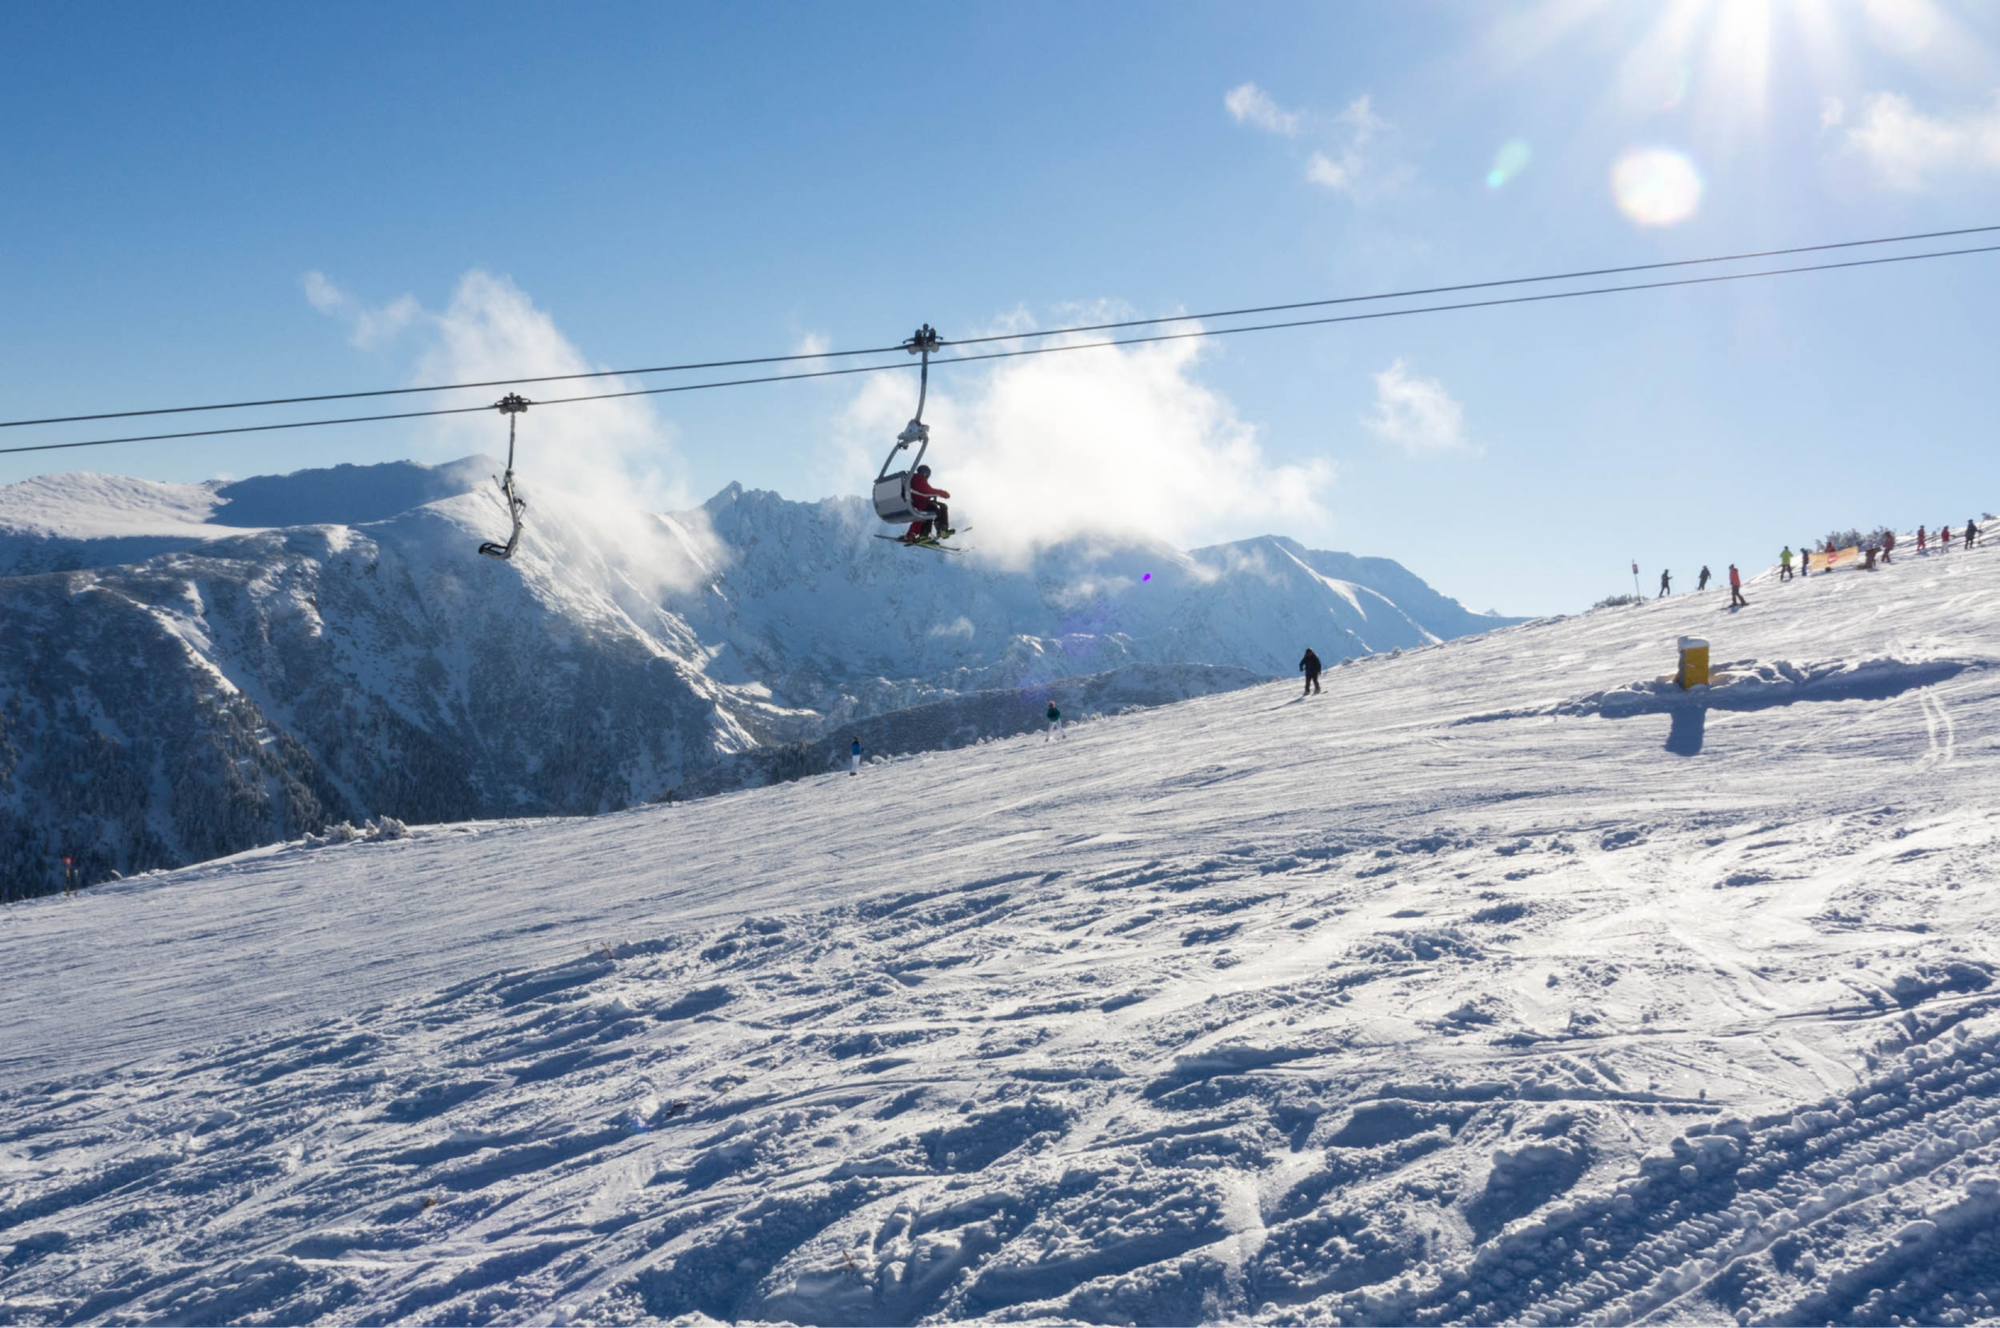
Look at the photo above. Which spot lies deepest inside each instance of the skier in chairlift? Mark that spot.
(937, 521)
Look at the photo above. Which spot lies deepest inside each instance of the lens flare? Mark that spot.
(1655, 186)
(1677, 87)
(1509, 162)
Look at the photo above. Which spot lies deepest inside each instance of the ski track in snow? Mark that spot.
(1498, 983)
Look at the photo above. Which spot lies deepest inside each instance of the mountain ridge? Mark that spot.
(190, 670)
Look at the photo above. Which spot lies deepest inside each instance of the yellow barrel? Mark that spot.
(1694, 662)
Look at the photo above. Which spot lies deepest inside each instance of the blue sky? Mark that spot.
(500, 188)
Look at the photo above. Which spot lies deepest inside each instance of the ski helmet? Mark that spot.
(924, 471)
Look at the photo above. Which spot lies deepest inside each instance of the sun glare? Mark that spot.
(1719, 61)
(1719, 78)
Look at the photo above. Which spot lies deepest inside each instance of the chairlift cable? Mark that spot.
(1004, 336)
(448, 387)
(1047, 350)
(1487, 285)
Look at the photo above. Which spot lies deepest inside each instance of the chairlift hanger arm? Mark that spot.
(510, 405)
(924, 341)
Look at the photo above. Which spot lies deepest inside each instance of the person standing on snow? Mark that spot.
(1944, 538)
(1310, 667)
(1888, 544)
(1805, 559)
(1055, 723)
(1736, 600)
(1785, 563)
(1971, 532)
(938, 516)
(1701, 582)
(1666, 584)
(1922, 548)
(854, 756)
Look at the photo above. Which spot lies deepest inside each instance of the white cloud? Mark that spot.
(1906, 149)
(1356, 128)
(1904, 26)
(1415, 413)
(1832, 110)
(493, 330)
(1250, 104)
(367, 328)
(1126, 440)
(1335, 175)
(607, 463)
(960, 626)
(1347, 160)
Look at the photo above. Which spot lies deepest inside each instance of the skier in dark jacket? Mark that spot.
(1701, 582)
(1310, 667)
(1055, 723)
(1971, 532)
(1666, 584)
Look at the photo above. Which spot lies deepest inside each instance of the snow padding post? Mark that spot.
(1694, 663)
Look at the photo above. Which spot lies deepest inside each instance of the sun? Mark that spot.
(1692, 81)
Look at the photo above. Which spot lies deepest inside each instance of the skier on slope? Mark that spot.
(1888, 544)
(1971, 532)
(1701, 582)
(1805, 559)
(1922, 547)
(937, 522)
(1736, 600)
(854, 756)
(1784, 563)
(1944, 538)
(1055, 723)
(1310, 667)
(1666, 584)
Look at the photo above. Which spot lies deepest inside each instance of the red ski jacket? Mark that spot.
(918, 484)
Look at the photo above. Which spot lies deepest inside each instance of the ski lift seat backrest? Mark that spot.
(893, 501)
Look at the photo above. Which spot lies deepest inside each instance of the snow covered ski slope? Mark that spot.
(1497, 983)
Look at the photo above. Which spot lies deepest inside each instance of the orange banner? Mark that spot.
(1826, 562)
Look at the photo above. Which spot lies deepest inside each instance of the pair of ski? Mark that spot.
(928, 541)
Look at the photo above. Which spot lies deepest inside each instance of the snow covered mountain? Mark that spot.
(812, 607)
(190, 670)
(1502, 983)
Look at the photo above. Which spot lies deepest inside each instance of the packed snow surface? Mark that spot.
(1500, 982)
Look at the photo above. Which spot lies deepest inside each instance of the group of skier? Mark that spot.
(1736, 600)
(1883, 552)
(1872, 552)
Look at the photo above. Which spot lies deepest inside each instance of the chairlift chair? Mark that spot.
(510, 405)
(894, 502)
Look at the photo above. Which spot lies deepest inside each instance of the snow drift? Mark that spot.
(1249, 1008)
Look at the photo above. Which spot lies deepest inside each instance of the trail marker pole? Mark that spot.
(1638, 593)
